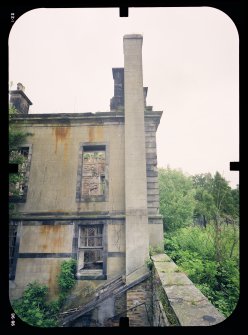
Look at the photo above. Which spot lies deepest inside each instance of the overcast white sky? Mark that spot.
(64, 58)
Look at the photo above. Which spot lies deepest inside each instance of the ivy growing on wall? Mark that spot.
(66, 278)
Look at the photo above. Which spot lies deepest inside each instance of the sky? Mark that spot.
(64, 58)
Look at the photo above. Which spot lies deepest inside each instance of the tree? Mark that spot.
(177, 201)
(209, 252)
(217, 204)
(214, 198)
(204, 200)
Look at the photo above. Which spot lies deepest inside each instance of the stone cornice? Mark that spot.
(73, 216)
(77, 118)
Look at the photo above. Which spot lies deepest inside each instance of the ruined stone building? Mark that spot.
(91, 193)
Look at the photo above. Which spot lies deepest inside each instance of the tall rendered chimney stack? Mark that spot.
(137, 238)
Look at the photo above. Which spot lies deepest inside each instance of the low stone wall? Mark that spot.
(182, 302)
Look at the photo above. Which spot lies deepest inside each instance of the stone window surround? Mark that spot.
(87, 243)
(23, 198)
(77, 225)
(101, 146)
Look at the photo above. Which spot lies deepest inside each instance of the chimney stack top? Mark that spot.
(133, 36)
(20, 87)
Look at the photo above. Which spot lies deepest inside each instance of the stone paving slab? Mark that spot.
(161, 258)
(184, 292)
(174, 278)
(198, 314)
(166, 267)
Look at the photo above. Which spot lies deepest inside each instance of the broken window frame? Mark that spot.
(24, 170)
(90, 268)
(103, 177)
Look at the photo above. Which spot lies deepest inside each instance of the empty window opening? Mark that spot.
(22, 158)
(93, 176)
(24, 151)
(90, 254)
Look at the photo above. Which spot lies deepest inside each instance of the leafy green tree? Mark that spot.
(222, 195)
(177, 201)
(214, 198)
(204, 207)
(209, 251)
(235, 199)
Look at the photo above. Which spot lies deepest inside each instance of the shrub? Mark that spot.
(32, 307)
(149, 263)
(194, 250)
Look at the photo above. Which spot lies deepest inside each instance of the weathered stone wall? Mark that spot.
(46, 239)
(151, 168)
(119, 310)
(116, 248)
(159, 317)
(140, 296)
(51, 207)
(43, 270)
(44, 244)
(183, 303)
(46, 235)
(121, 305)
(155, 219)
(156, 234)
(55, 159)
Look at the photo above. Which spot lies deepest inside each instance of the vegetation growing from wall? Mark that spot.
(201, 219)
(33, 307)
(66, 279)
(16, 138)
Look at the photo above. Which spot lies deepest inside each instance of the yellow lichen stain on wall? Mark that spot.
(95, 133)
